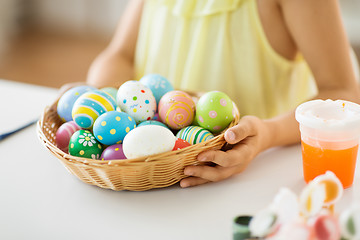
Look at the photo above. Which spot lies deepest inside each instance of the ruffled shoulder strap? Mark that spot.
(195, 8)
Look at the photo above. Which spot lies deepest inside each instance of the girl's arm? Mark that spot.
(316, 29)
(115, 64)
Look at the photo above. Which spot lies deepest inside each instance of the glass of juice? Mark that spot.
(330, 133)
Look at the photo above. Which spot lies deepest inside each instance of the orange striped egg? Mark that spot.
(89, 106)
(177, 109)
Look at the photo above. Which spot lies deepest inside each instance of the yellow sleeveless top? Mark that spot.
(206, 45)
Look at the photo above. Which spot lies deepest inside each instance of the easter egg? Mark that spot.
(158, 85)
(214, 111)
(113, 152)
(111, 91)
(194, 134)
(180, 144)
(136, 100)
(156, 117)
(67, 100)
(89, 106)
(64, 133)
(176, 109)
(148, 140)
(84, 144)
(111, 127)
(152, 122)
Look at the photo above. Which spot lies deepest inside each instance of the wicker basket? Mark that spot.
(140, 174)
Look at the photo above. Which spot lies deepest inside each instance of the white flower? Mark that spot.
(87, 139)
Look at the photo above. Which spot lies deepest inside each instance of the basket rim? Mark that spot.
(125, 162)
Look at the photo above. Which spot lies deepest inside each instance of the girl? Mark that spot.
(267, 55)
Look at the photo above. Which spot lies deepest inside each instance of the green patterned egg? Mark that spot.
(84, 144)
(214, 111)
(194, 134)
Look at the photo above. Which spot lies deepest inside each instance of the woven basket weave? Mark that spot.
(140, 174)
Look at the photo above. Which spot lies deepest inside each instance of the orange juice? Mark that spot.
(317, 161)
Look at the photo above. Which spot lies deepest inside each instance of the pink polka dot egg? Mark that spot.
(177, 109)
(214, 111)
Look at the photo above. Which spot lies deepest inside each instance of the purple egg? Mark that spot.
(113, 152)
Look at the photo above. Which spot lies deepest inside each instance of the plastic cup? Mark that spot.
(330, 133)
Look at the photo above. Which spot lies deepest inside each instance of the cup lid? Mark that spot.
(329, 115)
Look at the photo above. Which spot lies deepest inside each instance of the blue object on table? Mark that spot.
(5, 135)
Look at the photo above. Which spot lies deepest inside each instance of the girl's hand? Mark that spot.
(247, 139)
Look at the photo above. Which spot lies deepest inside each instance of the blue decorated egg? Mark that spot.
(152, 122)
(158, 85)
(136, 100)
(194, 134)
(89, 106)
(111, 127)
(67, 100)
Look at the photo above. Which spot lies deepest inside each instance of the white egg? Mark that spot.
(137, 100)
(148, 140)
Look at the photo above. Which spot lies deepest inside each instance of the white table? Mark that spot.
(40, 199)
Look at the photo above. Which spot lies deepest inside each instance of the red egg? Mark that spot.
(180, 143)
(64, 133)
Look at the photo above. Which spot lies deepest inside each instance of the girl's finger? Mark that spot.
(211, 174)
(245, 128)
(192, 181)
(238, 155)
